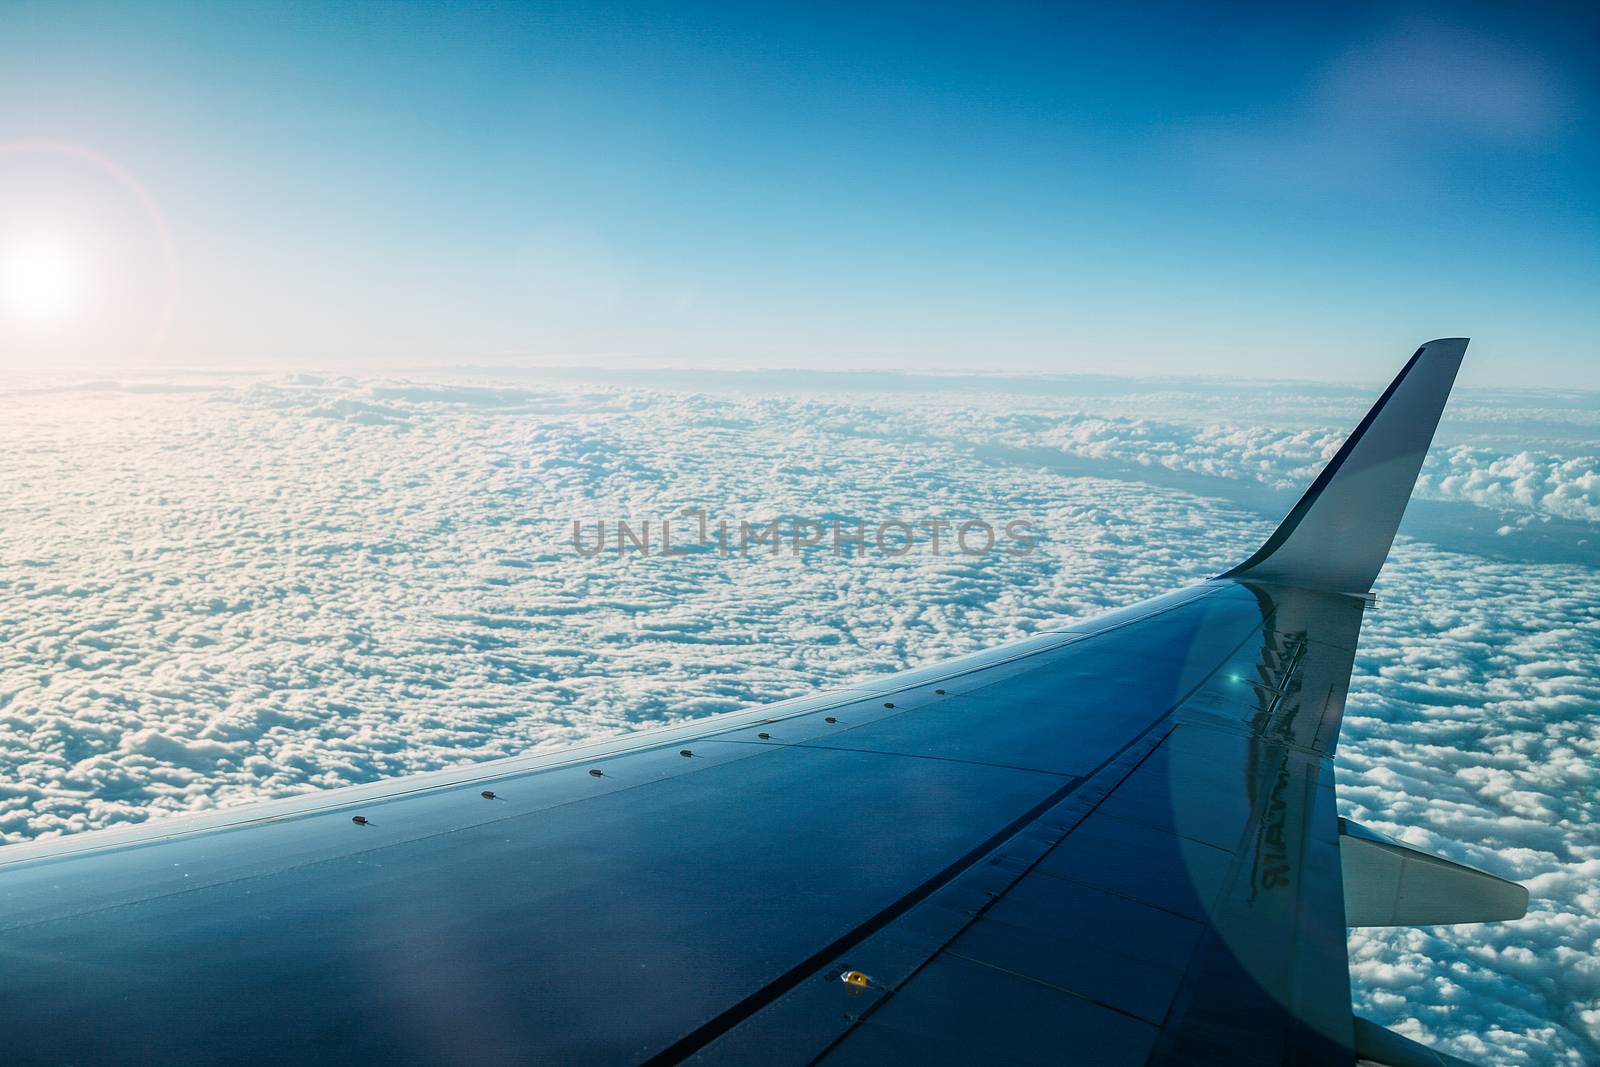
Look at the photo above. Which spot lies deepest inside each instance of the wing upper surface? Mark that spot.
(1182, 906)
(636, 903)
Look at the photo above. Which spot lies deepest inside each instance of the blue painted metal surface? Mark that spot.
(670, 905)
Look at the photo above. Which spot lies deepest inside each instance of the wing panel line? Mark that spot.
(709, 1032)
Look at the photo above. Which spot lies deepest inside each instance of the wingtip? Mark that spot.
(1439, 346)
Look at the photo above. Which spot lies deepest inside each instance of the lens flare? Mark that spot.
(41, 281)
(87, 264)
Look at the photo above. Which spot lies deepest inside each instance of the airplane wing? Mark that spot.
(1110, 843)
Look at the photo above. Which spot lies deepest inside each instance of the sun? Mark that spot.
(41, 280)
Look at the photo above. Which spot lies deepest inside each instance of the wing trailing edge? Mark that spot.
(1337, 537)
(1381, 1047)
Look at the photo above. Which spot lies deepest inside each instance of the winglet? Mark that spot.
(1339, 534)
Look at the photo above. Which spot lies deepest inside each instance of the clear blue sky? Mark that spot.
(1278, 191)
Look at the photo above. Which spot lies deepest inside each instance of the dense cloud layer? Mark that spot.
(215, 591)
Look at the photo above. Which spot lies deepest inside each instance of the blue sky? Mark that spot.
(1257, 192)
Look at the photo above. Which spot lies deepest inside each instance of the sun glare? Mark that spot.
(41, 280)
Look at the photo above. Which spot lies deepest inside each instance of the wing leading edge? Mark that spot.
(1113, 842)
(1338, 535)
